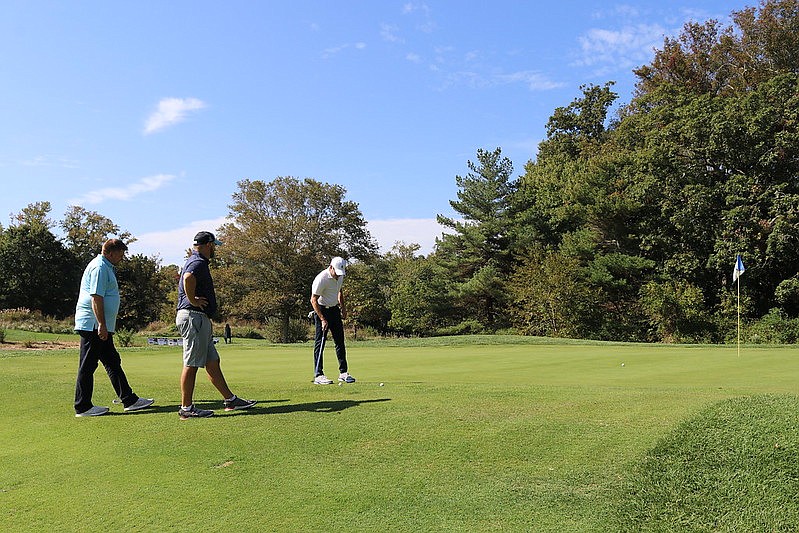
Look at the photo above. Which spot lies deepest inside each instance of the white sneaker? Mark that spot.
(346, 378)
(141, 403)
(95, 410)
(322, 380)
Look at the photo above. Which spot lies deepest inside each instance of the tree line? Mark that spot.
(40, 271)
(625, 226)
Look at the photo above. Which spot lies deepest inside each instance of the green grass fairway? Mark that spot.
(467, 434)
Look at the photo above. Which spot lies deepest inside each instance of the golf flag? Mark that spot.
(739, 268)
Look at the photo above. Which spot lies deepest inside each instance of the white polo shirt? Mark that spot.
(327, 288)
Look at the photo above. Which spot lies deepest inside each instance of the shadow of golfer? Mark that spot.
(213, 405)
(332, 406)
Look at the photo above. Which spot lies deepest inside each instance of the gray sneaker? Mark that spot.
(141, 403)
(193, 412)
(238, 403)
(95, 410)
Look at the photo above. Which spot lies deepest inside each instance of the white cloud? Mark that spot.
(49, 161)
(535, 81)
(413, 58)
(620, 49)
(171, 111)
(472, 56)
(388, 32)
(411, 7)
(171, 245)
(330, 52)
(422, 231)
(144, 185)
(619, 11)
(426, 24)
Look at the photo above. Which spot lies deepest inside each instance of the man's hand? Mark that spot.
(98, 308)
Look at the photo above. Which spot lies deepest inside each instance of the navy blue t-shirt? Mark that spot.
(198, 266)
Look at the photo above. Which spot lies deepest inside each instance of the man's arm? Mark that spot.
(341, 304)
(318, 310)
(98, 307)
(190, 288)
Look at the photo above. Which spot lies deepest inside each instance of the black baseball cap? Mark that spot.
(205, 237)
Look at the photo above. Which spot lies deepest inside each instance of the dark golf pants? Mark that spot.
(94, 350)
(336, 327)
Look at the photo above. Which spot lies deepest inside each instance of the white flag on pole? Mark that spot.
(739, 268)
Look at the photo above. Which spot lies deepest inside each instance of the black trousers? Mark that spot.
(336, 327)
(93, 351)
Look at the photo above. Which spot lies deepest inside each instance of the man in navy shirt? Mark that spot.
(95, 322)
(196, 306)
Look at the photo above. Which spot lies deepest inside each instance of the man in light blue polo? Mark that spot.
(95, 322)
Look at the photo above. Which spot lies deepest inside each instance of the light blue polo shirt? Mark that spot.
(99, 278)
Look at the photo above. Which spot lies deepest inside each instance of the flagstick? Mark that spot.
(739, 315)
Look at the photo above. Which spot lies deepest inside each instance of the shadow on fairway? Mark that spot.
(333, 406)
(215, 406)
(261, 408)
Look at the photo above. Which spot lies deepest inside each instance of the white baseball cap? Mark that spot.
(339, 265)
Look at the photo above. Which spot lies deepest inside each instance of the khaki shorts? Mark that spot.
(198, 338)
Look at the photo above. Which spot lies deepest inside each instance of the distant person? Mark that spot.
(228, 335)
(196, 306)
(329, 311)
(95, 322)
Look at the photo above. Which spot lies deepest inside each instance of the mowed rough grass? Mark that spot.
(467, 434)
(734, 467)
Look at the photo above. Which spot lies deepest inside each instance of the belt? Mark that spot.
(194, 311)
(329, 306)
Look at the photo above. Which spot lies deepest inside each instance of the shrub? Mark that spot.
(20, 313)
(124, 336)
(27, 320)
(247, 333)
(298, 331)
(160, 328)
(363, 333)
(773, 328)
(2, 336)
(467, 327)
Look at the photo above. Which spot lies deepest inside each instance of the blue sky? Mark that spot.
(149, 112)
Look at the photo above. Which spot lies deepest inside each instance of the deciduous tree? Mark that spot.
(85, 232)
(281, 234)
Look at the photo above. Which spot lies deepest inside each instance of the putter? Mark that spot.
(324, 339)
(322, 346)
